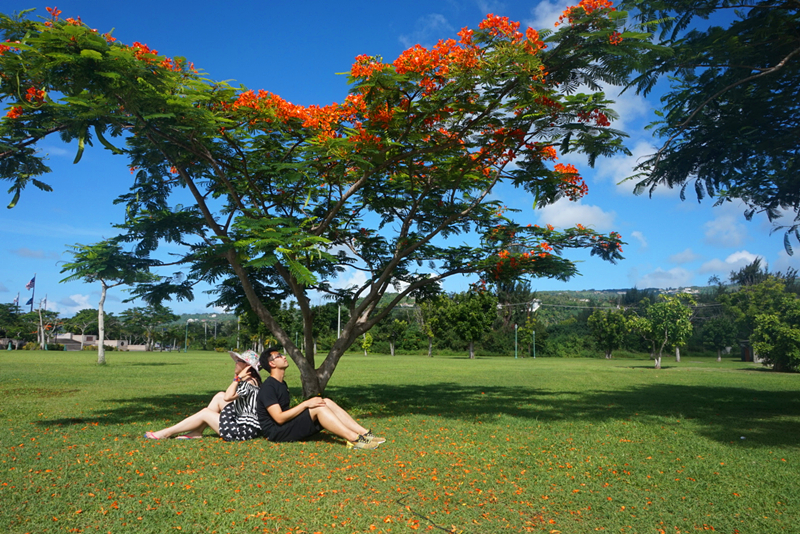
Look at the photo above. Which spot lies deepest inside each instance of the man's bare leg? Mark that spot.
(328, 420)
(346, 419)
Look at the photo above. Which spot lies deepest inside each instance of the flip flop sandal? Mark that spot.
(151, 435)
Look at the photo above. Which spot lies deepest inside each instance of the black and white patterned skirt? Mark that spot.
(231, 430)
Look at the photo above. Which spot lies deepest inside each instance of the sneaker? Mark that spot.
(362, 443)
(373, 438)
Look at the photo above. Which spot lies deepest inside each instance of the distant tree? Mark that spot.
(744, 305)
(730, 115)
(667, 323)
(471, 316)
(82, 321)
(532, 332)
(395, 330)
(776, 336)
(106, 262)
(751, 274)
(514, 298)
(426, 315)
(146, 320)
(11, 324)
(366, 342)
(609, 328)
(719, 333)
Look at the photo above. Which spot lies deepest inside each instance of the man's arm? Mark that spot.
(280, 416)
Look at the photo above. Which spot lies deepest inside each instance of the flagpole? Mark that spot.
(34, 290)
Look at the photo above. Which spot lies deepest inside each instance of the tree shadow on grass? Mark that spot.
(723, 414)
(172, 407)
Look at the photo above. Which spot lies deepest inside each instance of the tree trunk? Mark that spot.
(101, 328)
(608, 355)
(719, 355)
(40, 330)
(677, 354)
(391, 348)
(430, 347)
(471, 350)
(658, 361)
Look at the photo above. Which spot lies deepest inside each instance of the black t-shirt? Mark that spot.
(272, 392)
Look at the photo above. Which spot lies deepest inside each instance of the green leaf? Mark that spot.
(81, 146)
(92, 54)
(14, 200)
(105, 142)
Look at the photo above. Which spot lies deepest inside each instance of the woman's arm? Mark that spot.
(230, 393)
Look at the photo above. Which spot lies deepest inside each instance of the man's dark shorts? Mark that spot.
(298, 429)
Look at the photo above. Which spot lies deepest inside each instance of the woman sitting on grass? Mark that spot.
(231, 413)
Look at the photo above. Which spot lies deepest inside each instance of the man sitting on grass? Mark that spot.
(279, 422)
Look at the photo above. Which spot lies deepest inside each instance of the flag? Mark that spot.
(30, 285)
(30, 302)
(16, 300)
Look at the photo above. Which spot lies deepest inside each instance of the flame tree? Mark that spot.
(394, 181)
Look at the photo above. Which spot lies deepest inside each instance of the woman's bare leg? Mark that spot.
(218, 402)
(194, 424)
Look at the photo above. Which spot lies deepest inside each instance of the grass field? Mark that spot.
(479, 446)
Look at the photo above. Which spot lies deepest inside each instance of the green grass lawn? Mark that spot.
(479, 446)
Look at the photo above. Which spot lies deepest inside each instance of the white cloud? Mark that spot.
(51, 150)
(25, 252)
(566, 214)
(69, 306)
(350, 278)
(785, 262)
(427, 31)
(675, 277)
(639, 236)
(490, 6)
(735, 261)
(546, 13)
(25, 227)
(687, 256)
(725, 230)
(617, 168)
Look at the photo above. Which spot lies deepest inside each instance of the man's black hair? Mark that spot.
(264, 357)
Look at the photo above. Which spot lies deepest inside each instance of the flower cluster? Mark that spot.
(35, 95)
(584, 7)
(615, 38)
(434, 65)
(571, 183)
(5, 48)
(142, 52)
(595, 115)
(15, 112)
(501, 26)
(365, 66)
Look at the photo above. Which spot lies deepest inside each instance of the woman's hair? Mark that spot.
(253, 373)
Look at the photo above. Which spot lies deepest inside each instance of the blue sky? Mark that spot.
(296, 49)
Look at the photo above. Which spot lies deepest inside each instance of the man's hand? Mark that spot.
(314, 402)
